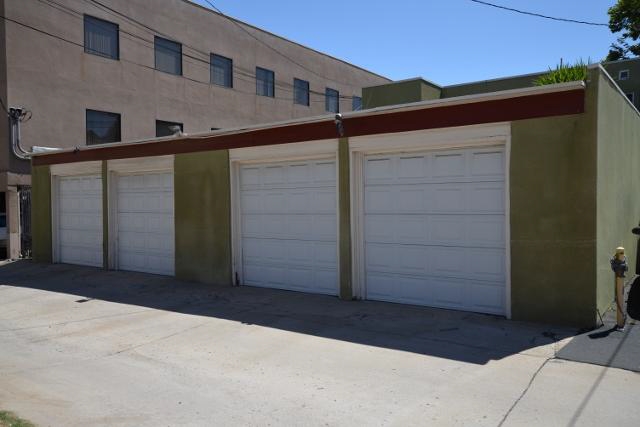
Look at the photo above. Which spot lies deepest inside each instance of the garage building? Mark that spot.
(506, 203)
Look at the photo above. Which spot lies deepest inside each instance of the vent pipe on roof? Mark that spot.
(18, 115)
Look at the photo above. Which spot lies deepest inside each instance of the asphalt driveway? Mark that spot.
(82, 346)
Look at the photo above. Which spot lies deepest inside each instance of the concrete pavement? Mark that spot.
(81, 346)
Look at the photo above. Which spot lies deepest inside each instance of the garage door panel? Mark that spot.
(289, 226)
(410, 228)
(300, 226)
(324, 228)
(434, 229)
(412, 167)
(379, 200)
(487, 163)
(449, 164)
(487, 297)
(79, 218)
(324, 172)
(486, 198)
(448, 230)
(486, 230)
(81, 255)
(485, 264)
(291, 252)
(323, 202)
(145, 223)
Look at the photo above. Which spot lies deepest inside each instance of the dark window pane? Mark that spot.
(356, 103)
(331, 100)
(164, 128)
(301, 92)
(221, 70)
(101, 37)
(102, 127)
(265, 80)
(168, 56)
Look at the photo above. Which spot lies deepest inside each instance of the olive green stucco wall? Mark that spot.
(203, 217)
(105, 215)
(344, 205)
(553, 217)
(41, 214)
(486, 86)
(618, 184)
(402, 92)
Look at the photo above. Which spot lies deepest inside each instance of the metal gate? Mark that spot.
(24, 194)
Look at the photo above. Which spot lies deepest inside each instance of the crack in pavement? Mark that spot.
(533, 377)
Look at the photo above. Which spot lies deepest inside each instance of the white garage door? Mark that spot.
(80, 220)
(435, 229)
(145, 223)
(289, 226)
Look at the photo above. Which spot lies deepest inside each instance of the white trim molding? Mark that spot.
(285, 152)
(420, 141)
(77, 169)
(141, 165)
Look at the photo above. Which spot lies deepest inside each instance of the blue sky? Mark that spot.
(446, 41)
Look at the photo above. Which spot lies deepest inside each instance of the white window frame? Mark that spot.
(422, 141)
(299, 151)
(620, 75)
(631, 98)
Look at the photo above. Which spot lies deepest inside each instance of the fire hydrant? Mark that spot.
(619, 267)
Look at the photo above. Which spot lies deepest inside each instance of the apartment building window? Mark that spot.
(332, 100)
(356, 103)
(102, 127)
(631, 97)
(101, 37)
(168, 56)
(623, 75)
(221, 70)
(164, 128)
(265, 82)
(301, 92)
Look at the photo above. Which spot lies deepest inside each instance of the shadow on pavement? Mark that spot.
(606, 346)
(469, 337)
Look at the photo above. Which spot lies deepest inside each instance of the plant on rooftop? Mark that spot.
(564, 73)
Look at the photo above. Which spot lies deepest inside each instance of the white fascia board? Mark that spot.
(284, 152)
(80, 168)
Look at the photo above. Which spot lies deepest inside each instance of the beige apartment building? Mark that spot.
(101, 71)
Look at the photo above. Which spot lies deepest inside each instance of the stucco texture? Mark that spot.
(203, 217)
(403, 92)
(553, 217)
(344, 204)
(618, 184)
(41, 214)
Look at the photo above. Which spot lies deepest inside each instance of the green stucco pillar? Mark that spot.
(203, 217)
(41, 214)
(344, 204)
(105, 215)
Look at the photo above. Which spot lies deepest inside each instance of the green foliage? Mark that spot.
(624, 17)
(563, 73)
(8, 419)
